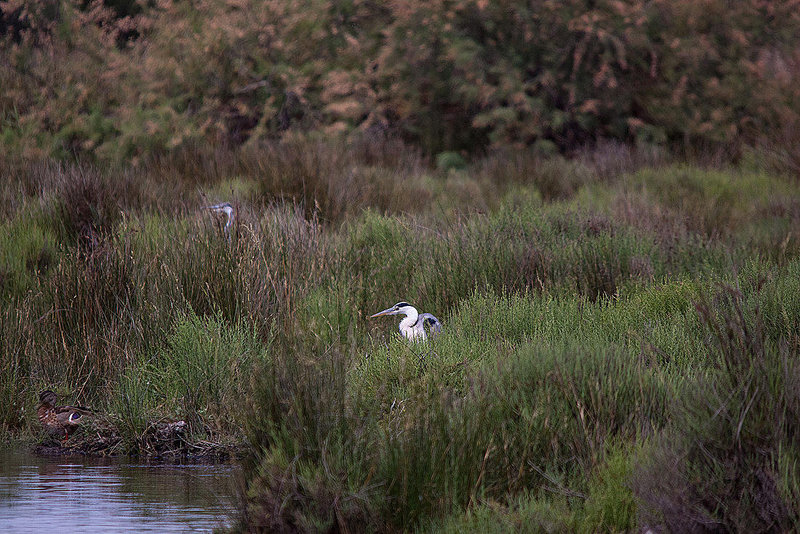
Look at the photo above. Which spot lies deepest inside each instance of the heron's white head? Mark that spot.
(401, 308)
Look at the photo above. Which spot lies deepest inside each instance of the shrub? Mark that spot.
(542, 415)
(725, 446)
(310, 464)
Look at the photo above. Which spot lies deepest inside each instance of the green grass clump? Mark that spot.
(13, 372)
(205, 369)
(199, 376)
(28, 247)
(610, 505)
(527, 514)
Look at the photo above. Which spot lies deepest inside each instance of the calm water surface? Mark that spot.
(62, 495)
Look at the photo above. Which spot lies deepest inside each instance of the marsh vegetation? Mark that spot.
(619, 347)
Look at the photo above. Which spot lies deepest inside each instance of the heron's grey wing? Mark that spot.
(224, 206)
(433, 323)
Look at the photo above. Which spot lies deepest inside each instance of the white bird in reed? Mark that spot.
(413, 325)
(228, 210)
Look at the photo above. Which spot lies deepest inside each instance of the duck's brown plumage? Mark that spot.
(58, 421)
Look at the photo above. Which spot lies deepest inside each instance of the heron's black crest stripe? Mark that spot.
(401, 304)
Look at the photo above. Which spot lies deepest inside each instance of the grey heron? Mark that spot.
(413, 325)
(228, 210)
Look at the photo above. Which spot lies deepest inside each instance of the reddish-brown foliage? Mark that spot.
(82, 78)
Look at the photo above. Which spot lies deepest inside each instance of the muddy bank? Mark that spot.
(162, 441)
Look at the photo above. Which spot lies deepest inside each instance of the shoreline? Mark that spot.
(85, 447)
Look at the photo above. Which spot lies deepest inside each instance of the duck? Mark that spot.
(59, 421)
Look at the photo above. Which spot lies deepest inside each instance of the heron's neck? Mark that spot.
(412, 316)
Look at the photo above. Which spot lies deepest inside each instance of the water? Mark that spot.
(70, 494)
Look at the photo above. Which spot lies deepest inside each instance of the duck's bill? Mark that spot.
(384, 312)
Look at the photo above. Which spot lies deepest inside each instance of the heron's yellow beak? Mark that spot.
(384, 312)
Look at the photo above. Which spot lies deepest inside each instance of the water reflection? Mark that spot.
(111, 495)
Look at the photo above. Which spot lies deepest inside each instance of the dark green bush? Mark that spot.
(718, 467)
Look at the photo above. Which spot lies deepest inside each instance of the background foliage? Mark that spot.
(127, 78)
